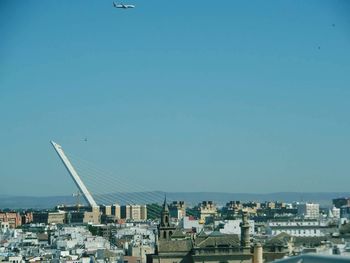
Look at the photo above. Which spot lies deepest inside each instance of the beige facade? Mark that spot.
(106, 210)
(177, 209)
(116, 211)
(143, 212)
(140, 252)
(93, 217)
(207, 208)
(56, 218)
(135, 212)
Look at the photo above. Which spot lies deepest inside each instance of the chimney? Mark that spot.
(258, 253)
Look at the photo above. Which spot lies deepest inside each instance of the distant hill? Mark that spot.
(192, 198)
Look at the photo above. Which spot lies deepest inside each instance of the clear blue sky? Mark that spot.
(233, 96)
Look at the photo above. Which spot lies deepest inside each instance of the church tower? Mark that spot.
(165, 230)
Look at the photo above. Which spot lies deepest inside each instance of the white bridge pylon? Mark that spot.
(74, 174)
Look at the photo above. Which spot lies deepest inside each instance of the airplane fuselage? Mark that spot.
(123, 6)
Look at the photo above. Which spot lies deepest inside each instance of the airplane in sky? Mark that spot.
(122, 5)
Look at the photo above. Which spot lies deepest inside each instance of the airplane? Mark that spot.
(122, 5)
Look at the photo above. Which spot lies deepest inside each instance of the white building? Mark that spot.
(335, 212)
(4, 226)
(189, 223)
(295, 228)
(309, 210)
(15, 259)
(233, 226)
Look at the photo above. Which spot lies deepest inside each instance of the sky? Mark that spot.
(228, 96)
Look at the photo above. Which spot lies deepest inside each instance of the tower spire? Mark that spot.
(165, 205)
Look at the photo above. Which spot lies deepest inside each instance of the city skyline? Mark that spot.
(176, 97)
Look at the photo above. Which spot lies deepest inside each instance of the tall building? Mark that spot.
(13, 219)
(106, 210)
(125, 212)
(133, 212)
(177, 209)
(339, 202)
(93, 217)
(40, 217)
(335, 212)
(116, 211)
(309, 210)
(143, 212)
(345, 211)
(27, 218)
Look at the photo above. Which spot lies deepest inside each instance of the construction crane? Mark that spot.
(77, 203)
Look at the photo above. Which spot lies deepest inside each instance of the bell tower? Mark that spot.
(165, 230)
(164, 221)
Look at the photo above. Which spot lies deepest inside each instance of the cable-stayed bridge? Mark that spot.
(100, 187)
